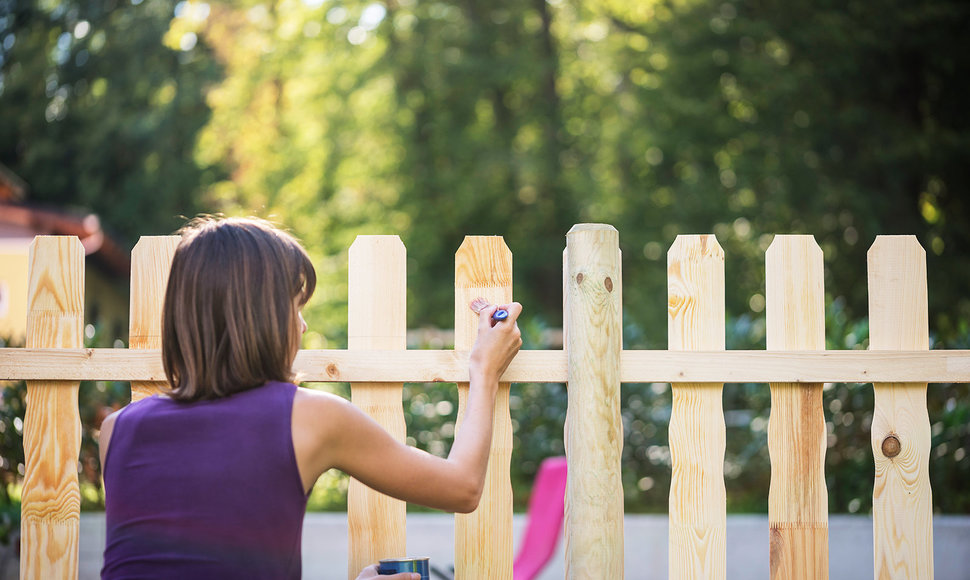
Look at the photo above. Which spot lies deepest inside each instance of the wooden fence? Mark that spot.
(592, 363)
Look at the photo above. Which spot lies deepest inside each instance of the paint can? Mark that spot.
(390, 566)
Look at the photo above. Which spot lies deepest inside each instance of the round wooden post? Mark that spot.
(151, 262)
(902, 501)
(51, 496)
(698, 501)
(377, 320)
(483, 538)
(594, 429)
(797, 497)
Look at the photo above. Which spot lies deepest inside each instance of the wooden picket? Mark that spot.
(698, 501)
(151, 260)
(902, 504)
(483, 538)
(593, 364)
(594, 430)
(51, 495)
(376, 320)
(797, 496)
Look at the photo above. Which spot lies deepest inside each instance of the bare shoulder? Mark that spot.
(319, 413)
(310, 401)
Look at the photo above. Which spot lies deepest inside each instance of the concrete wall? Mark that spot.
(645, 549)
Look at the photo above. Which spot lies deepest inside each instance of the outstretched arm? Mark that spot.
(328, 431)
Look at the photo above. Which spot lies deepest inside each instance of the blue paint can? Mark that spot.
(396, 565)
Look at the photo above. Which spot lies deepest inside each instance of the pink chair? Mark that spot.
(544, 524)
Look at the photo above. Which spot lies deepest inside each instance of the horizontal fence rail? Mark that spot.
(529, 366)
(592, 364)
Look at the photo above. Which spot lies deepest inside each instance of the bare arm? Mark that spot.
(330, 432)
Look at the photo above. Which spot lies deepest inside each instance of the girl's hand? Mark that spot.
(371, 572)
(497, 342)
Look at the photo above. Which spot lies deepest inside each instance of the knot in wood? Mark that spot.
(332, 370)
(608, 283)
(579, 278)
(891, 446)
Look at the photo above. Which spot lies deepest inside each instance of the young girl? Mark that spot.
(211, 481)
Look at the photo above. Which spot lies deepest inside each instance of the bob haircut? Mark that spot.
(230, 321)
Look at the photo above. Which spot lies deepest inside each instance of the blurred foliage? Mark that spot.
(433, 120)
(98, 115)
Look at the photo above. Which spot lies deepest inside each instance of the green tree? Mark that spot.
(99, 115)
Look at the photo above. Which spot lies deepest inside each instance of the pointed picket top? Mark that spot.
(151, 262)
(483, 268)
(483, 262)
(55, 287)
(695, 293)
(795, 294)
(898, 317)
(377, 296)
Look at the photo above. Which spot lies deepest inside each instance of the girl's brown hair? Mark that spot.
(231, 316)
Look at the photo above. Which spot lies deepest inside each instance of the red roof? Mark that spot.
(17, 220)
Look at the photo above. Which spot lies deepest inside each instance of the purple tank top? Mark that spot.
(209, 489)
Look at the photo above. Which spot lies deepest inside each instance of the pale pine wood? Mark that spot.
(594, 429)
(51, 496)
(529, 366)
(377, 310)
(797, 496)
(151, 262)
(902, 502)
(483, 538)
(698, 501)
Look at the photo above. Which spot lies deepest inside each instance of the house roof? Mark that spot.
(12, 188)
(23, 221)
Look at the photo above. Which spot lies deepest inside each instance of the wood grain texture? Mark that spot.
(377, 310)
(594, 429)
(797, 496)
(902, 501)
(483, 538)
(698, 501)
(51, 497)
(151, 262)
(529, 366)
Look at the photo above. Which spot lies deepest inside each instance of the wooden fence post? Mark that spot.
(377, 320)
(902, 501)
(151, 262)
(698, 501)
(594, 429)
(51, 496)
(797, 497)
(483, 538)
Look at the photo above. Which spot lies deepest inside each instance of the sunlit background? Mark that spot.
(436, 119)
